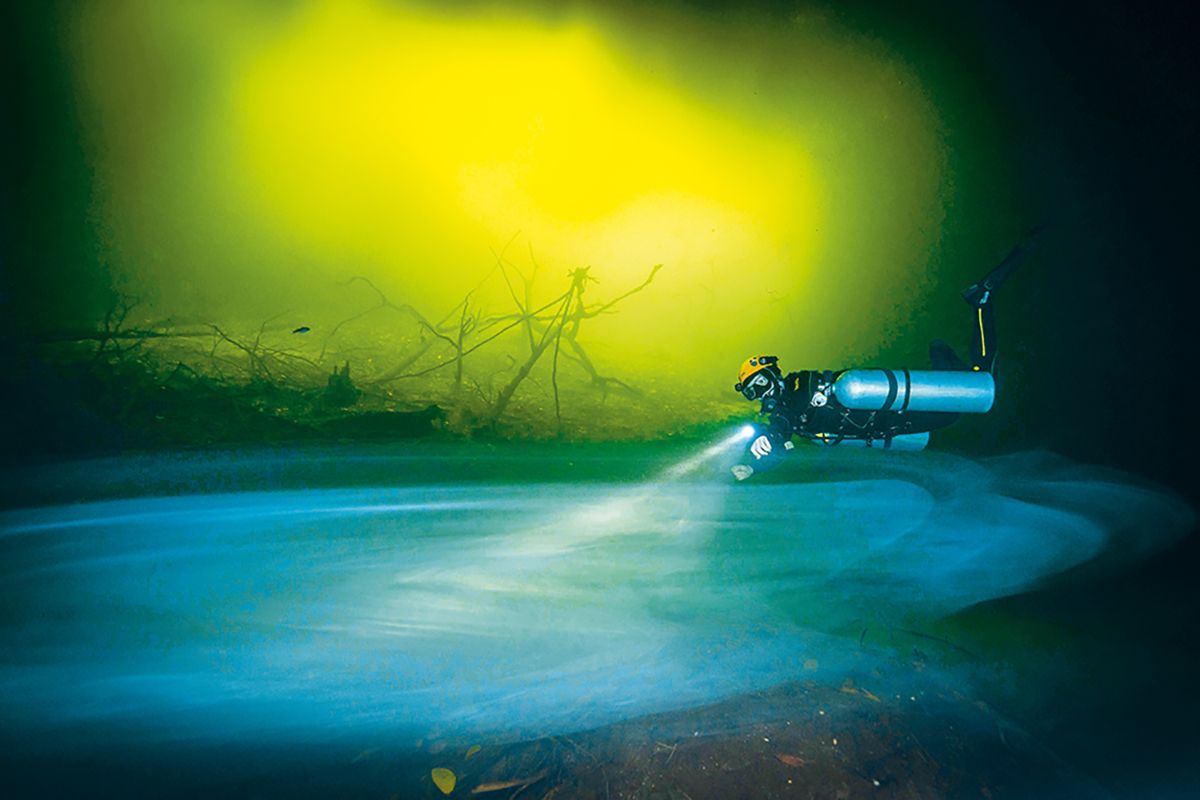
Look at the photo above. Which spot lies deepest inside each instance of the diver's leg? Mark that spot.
(983, 338)
(979, 297)
(978, 294)
(942, 356)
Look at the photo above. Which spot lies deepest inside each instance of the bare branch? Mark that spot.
(254, 358)
(579, 278)
(500, 262)
(103, 336)
(458, 345)
(392, 376)
(384, 302)
(580, 357)
(588, 313)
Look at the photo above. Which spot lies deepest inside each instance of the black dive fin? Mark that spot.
(979, 293)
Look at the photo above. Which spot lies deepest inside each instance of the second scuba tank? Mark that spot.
(915, 390)
(903, 441)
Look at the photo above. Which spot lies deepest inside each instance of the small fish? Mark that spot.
(302, 329)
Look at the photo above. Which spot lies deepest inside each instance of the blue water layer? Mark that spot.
(503, 607)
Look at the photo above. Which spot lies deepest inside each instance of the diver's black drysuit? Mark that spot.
(804, 405)
(808, 409)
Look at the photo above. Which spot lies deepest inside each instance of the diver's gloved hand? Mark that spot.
(761, 447)
(742, 471)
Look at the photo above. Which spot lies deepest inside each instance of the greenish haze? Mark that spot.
(794, 174)
(814, 182)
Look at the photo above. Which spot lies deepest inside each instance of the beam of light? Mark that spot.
(627, 509)
(690, 465)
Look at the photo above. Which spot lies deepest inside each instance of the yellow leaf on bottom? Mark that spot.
(444, 779)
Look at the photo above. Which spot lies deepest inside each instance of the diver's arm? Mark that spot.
(780, 429)
(776, 438)
(769, 442)
(766, 449)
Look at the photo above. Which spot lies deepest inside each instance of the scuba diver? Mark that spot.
(889, 409)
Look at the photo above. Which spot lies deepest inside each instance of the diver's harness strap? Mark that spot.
(820, 386)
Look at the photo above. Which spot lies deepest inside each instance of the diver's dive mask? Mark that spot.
(758, 386)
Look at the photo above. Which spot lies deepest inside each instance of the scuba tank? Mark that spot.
(915, 390)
